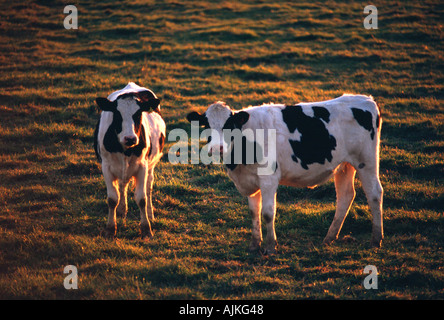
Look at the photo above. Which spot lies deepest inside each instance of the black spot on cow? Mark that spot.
(137, 118)
(364, 119)
(321, 113)
(316, 143)
(249, 149)
(249, 153)
(111, 141)
(236, 120)
(201, 118)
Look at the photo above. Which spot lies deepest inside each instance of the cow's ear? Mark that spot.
(196, 116)
(106, 105)
(240, 118)
(149, 105)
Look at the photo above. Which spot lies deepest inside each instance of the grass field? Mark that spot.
(192, 53)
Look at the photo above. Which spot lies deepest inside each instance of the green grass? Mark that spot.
(192, 53)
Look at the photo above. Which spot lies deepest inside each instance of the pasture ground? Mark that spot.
(192, 53)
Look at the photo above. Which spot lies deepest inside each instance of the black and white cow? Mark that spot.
(313, 142)
(128, 141)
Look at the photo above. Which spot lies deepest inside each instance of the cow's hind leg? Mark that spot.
(373, 190)
(255, 204)
(122, 208)
(113, 201)
(345, 193)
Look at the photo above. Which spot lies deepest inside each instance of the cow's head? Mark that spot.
(127, 116)
(219, 117)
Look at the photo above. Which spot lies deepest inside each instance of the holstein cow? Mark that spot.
(128, 141)
(314, 141)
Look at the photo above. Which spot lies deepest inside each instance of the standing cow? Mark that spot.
(313, 142)
(128, 141)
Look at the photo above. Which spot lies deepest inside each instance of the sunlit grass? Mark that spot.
(192, 53)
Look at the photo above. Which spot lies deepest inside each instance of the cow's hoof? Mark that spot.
(146, 232)
(110, 232)
(376, 243)
(254, 246)
(377, 239)
(328, 241)
(121, 213)
(269, 251)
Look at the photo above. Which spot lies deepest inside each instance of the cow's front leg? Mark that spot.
(113, 201)
(268, 192)
(122, 208)
(141, 199)
(254, 205)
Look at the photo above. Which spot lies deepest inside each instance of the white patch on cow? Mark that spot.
(127, 108)
(217, 114)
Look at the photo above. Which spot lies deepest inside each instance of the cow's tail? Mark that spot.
(378, 118)
(96, 142)
(378, 121)
(377, 126)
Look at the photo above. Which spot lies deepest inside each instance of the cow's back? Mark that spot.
(313, 139)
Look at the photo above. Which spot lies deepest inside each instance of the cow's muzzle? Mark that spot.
(130, 141)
